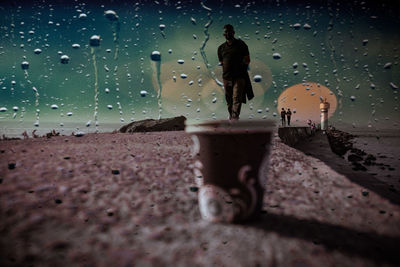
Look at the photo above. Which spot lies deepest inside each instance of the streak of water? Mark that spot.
(202, 52)
(94, 43)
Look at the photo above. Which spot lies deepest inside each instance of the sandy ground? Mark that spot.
(128, 200)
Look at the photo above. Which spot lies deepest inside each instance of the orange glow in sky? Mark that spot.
(304, 99)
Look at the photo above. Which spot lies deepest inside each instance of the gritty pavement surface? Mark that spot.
(130, 200)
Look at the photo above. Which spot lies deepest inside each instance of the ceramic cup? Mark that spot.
(231, 158)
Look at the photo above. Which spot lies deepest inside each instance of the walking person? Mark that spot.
(288, 116)
(283, 117)
(234, 57)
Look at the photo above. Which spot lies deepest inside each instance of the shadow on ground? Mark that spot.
(318, 146)
(376, 247)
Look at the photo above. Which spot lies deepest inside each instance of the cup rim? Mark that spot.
(229, 126)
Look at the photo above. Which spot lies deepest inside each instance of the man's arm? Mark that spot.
(220, 55)
(246, 60)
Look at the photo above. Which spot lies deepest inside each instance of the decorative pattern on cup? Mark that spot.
(195, 148)
(249, 183)
(216, 205)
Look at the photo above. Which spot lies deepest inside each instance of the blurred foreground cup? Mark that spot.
(231, 159)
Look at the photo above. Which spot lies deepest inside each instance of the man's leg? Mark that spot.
(288, 120)
(238, 91)
(228, 87)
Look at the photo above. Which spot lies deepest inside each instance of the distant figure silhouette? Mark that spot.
(288, 115)
(234, 57)
(283, 117)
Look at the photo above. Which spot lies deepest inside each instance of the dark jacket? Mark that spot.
(248, 89)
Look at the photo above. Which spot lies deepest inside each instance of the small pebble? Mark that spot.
(11, 166)
(115, 171)
(194, 188)
(110, 212)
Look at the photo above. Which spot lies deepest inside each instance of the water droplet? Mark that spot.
(352, 98)
(297, 26)
(37, 51)
(25, 65)
(257, 78)
(394, 87)
(307, 26)
(214, 100)
(54, 106)
(69, 114)
(193, 20)
(358, 86)
(365, 42)
(162, 26)
(76, 46)
(107, 90)
(15, 108)
(181, 61)
(276, 56)
(191, 82)
(387, 65)
(3, 109)
(64, 59)
(94, 40)
(295, 65)
(82, 16)
(183, 76)
(372, 86)
(143, 93)
(155, 56)
(109, 106)
(169, 51)
(111, 15)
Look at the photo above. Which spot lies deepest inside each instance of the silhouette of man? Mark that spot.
(288, 115)
(234, 57)
(283, 117)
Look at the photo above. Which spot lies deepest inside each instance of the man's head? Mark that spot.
(283, 109)
(229, 32)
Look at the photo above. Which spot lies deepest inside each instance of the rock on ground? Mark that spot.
(126, 199)
(151, 125)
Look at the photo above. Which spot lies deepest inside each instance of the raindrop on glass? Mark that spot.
(276, 56)
(64, 59)
(257, 78)
(25, 65)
